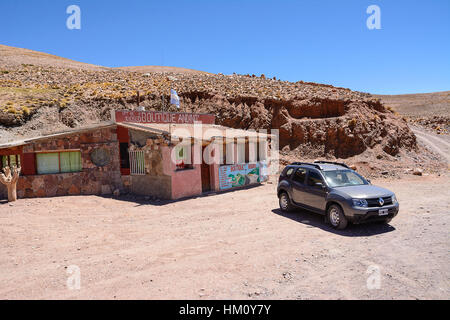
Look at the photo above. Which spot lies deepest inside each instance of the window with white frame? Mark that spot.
(137, 162)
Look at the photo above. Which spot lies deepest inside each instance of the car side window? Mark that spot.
(300, 176)
(288, 172)
(314, 178)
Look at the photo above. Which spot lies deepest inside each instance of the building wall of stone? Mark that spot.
(93, 179)
(157, 181)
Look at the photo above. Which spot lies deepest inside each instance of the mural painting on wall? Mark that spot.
(239, 175)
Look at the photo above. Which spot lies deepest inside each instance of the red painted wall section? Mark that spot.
(10, 151)
(123, 137)
(29, 164)
(122, 134)
(185, 183)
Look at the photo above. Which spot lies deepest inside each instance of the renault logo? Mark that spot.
(381, 201)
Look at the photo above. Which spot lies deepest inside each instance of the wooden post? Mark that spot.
(10, 181)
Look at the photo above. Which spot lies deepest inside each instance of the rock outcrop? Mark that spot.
(313, 119)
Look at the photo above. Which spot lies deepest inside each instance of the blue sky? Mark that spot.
(319, 41)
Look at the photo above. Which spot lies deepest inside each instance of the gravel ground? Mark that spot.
(235, 245)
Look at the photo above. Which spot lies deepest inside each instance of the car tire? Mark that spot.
(285, 202)
(336, 217)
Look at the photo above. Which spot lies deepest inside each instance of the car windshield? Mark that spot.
(343, 178)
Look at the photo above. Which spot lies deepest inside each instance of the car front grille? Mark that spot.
(375, 202)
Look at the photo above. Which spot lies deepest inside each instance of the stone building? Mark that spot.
(146, 153)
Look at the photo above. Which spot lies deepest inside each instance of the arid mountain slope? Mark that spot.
(161, 69)
(420, 104)
(431, 110)
(13, 57)
(314, 120)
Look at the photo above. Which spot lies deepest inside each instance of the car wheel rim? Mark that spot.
(334, 217)
(283, 202)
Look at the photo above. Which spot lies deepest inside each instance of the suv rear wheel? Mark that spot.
(285, 202)
(336, 217)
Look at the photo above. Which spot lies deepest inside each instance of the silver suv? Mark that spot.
(335, 190)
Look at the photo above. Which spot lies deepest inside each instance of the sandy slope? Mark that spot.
(232, 245)
(12, 56)
(421, 104)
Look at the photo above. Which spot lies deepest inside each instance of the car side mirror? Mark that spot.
(319, 185)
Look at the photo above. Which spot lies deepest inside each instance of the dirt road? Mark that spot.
(232, 245)
(438, 143)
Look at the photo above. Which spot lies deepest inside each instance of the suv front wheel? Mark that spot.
(336, 217)
(285, 202)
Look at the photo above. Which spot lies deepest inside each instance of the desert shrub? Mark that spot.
(352, 123)
(26, 110)
(11, 109)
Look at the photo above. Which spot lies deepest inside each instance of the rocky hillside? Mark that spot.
(430, 110)
(41, 93)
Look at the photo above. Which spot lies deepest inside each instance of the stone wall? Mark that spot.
(102, 178)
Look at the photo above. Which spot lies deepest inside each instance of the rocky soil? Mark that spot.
(234, 245)
(41, 93)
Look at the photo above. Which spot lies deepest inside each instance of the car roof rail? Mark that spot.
(333, 162)
(306, 163)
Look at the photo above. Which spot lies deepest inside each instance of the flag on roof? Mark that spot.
(174, 99)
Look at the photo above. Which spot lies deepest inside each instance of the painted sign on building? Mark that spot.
(239, 175)
(135, 116)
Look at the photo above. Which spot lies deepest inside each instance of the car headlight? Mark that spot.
(394, 199)
(362, 203)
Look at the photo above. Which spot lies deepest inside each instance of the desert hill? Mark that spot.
(13, 57)
(41, 93)
(431, 110)
(161, 69)
(419, 104)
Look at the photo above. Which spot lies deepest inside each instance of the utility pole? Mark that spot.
(138, 102)
(162, 103)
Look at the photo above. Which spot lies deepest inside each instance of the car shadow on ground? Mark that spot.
(318, 221)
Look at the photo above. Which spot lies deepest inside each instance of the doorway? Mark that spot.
(205, 173)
